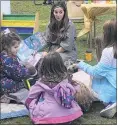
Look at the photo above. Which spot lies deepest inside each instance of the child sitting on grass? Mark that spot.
(12, 72)
(51, 100)
(104, 73)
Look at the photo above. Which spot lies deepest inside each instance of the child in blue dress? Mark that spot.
(12, 72)
(104, 73)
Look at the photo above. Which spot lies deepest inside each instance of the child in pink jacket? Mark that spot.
(51, 100)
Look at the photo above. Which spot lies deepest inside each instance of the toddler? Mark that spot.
(51, 100)
(12, 72)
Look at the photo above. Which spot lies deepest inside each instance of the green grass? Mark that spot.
(92, 117)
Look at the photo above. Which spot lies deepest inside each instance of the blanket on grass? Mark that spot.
(12, 110)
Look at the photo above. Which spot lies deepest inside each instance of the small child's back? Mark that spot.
(53, 105)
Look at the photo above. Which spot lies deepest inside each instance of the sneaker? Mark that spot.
(109, 111)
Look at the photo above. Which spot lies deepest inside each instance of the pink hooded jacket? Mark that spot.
(52, 105)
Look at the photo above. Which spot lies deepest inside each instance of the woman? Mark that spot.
(61, 33)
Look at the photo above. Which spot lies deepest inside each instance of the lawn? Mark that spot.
(92, 117)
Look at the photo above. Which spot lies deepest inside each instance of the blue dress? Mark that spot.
(104, 76)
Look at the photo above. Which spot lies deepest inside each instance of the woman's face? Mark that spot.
(58, 13)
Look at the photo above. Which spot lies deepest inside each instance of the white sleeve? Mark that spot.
(105, 56)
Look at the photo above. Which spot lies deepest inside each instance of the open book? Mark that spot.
(25, 54)
(36, 41)
(82, 77)
(30, 48)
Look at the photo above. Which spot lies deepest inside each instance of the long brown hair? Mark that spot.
(52, 68)
(53, 23)
(54, 28)
(110, 35)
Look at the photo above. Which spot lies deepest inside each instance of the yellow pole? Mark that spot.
(28, 84)
(36, 25)
(1, 17)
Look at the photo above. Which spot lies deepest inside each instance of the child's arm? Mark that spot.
(91, 70)
(14, 70)
(99, 70)
(34, 93)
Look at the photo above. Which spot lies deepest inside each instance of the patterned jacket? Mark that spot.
(12, 73)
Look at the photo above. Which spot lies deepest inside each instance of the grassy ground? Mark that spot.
(92, 117)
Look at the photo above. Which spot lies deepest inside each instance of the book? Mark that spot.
(36, 41)
(25, 54)
(34, 59)
(30, 48)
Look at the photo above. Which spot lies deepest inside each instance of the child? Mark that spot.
(61, 33)
(12, 72)
(51, 99)
(104, 73)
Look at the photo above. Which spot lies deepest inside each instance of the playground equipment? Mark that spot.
(25, 25)
(5, 7)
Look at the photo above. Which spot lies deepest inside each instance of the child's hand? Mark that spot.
(45, 54)
(72, 68)
(32, 71)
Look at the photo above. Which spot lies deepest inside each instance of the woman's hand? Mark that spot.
(60, 50)
(45, 54)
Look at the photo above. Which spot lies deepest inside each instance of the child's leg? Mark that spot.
(11, 86)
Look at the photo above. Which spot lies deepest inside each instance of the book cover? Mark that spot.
(30, 48)
(25, 54)
(36, 42)
(34, 59)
